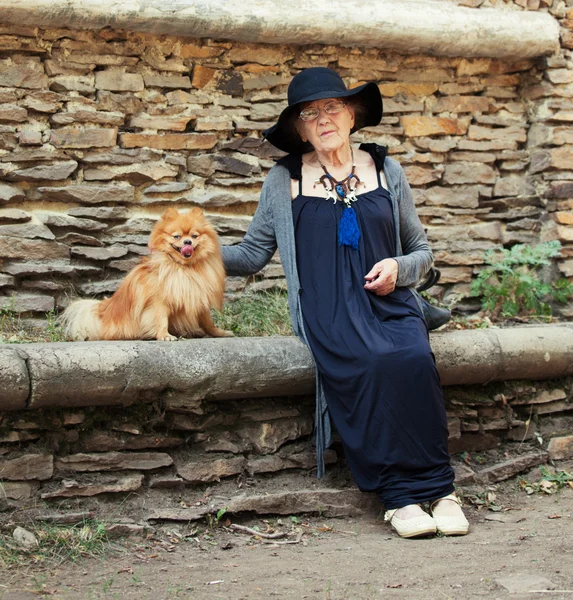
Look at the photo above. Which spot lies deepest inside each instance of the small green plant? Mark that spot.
(10, 327)
(215, 520)
(221, 513)
(549, 483)
(510, 285)
(54, 329)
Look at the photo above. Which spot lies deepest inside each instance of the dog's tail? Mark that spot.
(81, 321)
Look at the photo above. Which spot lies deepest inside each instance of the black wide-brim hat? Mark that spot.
(318, 83)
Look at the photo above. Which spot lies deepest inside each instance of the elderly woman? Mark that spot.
(352, 247)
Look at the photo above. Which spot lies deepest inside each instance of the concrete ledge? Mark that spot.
(409, 26)
(183, 374)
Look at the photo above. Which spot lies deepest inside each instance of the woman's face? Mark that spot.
(328, 132)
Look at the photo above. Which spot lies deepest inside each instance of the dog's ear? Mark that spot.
(169, 214)
(197, 211)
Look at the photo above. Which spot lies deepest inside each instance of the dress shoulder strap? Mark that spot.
(378, 154)
(293, 163)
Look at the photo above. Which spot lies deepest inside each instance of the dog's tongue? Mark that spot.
(187, 250)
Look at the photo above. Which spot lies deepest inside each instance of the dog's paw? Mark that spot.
(167, 338)
(221, 333)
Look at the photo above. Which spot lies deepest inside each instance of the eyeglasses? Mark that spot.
(310, 114)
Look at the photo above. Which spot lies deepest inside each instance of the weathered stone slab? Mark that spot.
(167, 81)
(194, 50)
(95, 288)
(59, 221)
(72, 137)
(487, 146)
(105, 485)
(31, 466)
(167, 122)
(174, 141)
(463, 172)
(512, 467)
(99, 253)
(56, 171)
(560, 448)
(27, 230)
(205, 470)
(239, 164)
(104, 441)
(83, 84)
(458, 196)
(513, 185)
(523, 583)
(300, 460)
(517, 134)
(125, 103)
(170, 187)
(88, 116)
(121, 156)
(15, 381)
(38, 268)
(101, 213)
(178, 514)
(6, 280)
(462, 104)
(114, 461)
(42, 154)
(327, 502)
(88, 194)
(10, 112)
(22, 72)
(19, 490)
(13, 247)
(43, 102)
(27, 302)
(116, 80)
(419, 126)
(202, 76)
(18, 436)
(10, 193)
(267, 438)
(136, 174)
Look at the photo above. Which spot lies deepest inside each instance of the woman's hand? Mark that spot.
(381, 280)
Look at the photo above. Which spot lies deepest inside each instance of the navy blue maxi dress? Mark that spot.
(373, 354)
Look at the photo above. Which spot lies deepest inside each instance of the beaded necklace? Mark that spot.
(343, 191)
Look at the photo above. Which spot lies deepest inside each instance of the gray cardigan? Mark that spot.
(272, 226)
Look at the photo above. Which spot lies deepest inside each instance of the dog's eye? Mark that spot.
(195, 236)
(176, 237)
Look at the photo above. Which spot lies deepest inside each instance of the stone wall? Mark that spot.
(172, 463)
(82, 424)
(101, 131)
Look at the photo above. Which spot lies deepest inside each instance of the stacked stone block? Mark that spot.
(102, 131)
(155, 448)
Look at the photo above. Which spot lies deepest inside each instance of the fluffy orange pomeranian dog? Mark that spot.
(169, 294)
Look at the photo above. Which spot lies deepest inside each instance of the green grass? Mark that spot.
(251, 314)
(256, 314)
(14, 331)
(56, 544)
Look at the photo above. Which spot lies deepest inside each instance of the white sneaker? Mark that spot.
(450, 525)
(411, 527)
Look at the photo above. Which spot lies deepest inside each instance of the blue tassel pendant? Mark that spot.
(348, 231)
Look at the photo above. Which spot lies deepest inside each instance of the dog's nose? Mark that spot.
(187, 241)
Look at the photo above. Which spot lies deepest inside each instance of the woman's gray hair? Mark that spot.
(355, 103)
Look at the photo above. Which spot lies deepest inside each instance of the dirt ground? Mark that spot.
(519, 546)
